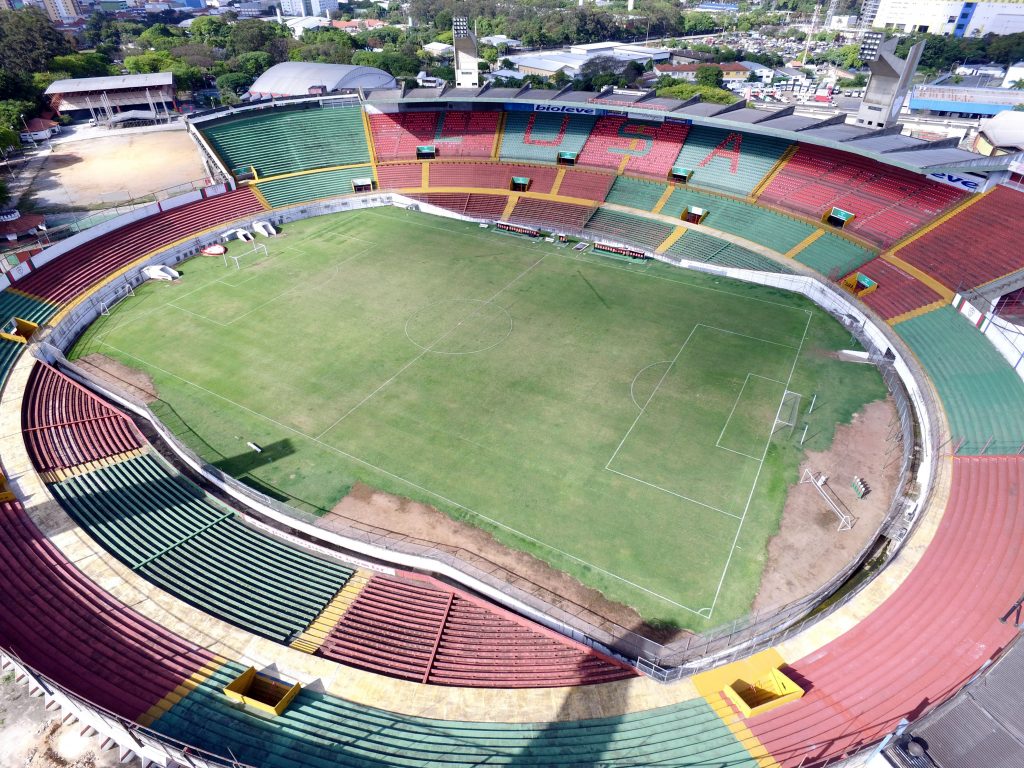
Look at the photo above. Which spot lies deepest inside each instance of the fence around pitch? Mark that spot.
(915, 404)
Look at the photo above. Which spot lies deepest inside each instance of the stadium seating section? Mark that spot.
(454, 134)
(889, 203)
(313, 186)
(978, 245)
(566, 217)
(621, 227)
(287, 140)
(57, 620)
(760, 225)
(648, 149)
(897, 292)
(731, 161)
(540, 136)
(588, 185)
(82, 267)
(395, 137)
(14, 304)
(981, 394)
(322, 731)
(400, 175)
(421, 630)
(636, 193)
(491, 175)
(9, 351)
(199, 552)
(66, 425)
(833, 256)
(696, 246)
(478, 206)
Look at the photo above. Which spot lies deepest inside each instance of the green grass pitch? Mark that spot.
(613, 418)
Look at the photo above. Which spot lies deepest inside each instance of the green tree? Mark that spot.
(15, 84)
(28, 41)
(699, 23)
(684, 91)
(160, 37)
(210, 30)
(5, 195)
(234, 83)
(253, 63)
(709, 77)
(8, 140)
(144, 63)
(11, 111)
(89, 64)
(250, 35)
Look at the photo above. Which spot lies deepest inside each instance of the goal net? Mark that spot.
(788, 413)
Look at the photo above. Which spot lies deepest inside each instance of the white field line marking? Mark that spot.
(673, 493)
(643, 408)
(438, 340)
(752, 338)
(300, 286)
(702, 613)
(632, 384)
(753, 487)
(609, 264)
(718, 442)
(729, 418)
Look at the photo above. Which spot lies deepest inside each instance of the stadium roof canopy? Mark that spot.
(299, 78)
(114, 83)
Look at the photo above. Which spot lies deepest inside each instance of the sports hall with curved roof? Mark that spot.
(133, 591)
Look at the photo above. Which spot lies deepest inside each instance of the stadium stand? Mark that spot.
(466, 134)
(760, 225)
(938, 627)
(589, 185)
(981, 394)
(635, 193)
(980, 244)
(540, 136)
(731, 161)
(312, 186)
(199, 552)
(400, 176)
(491, 175)
(66, 425)
(897, 292)
(647, 149)
(833, 256)
(281, 141)
(14, 304)
(558, 216)
(696, 246)
(323, 731)
(82, 267)
(419, 629)
(9, 351)
(889, 203)
(62, 624)
(625, 228)
(469, 204)
(395, 137)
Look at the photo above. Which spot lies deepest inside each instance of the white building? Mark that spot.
(949, 17)
(1014, 74)
(439, 50)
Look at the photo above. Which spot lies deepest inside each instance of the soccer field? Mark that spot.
(616, 419)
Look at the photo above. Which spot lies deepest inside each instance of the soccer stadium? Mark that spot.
(464, 427)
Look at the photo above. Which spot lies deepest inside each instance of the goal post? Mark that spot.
(789, 412)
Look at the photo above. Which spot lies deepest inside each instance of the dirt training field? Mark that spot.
(112, 169)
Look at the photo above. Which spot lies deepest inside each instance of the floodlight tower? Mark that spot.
(890, 79)
(467, 71)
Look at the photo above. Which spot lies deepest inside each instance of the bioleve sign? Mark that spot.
(967, 182)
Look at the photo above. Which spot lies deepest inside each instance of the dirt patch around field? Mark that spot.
(130, 380)
(808, 550)
(113, 169)
(413, 524)
(32, 737)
